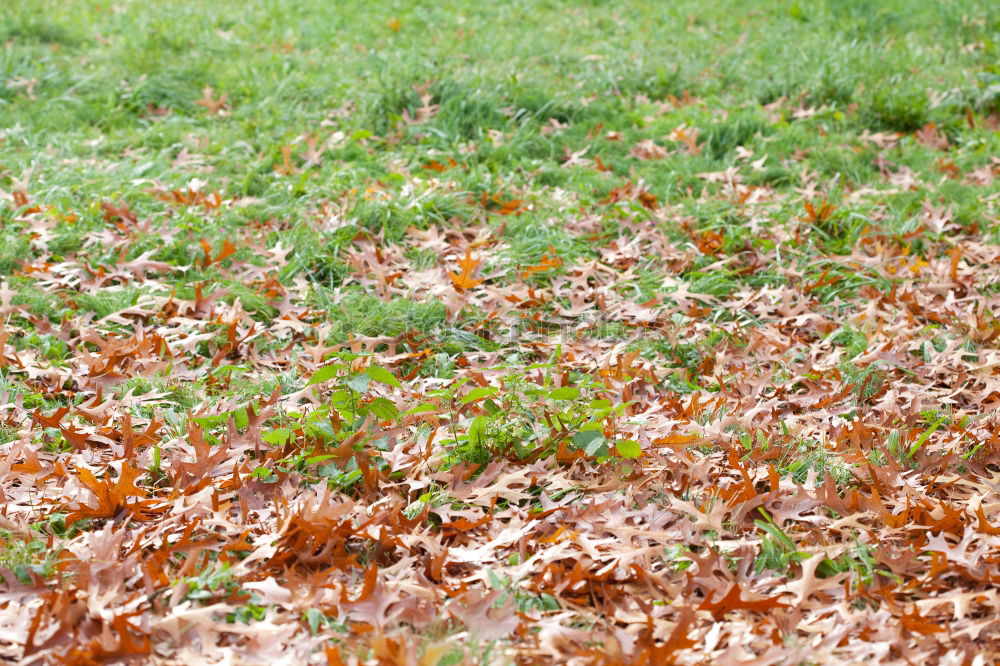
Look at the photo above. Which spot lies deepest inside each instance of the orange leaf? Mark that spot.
(823, 281)
(648, 200)
(434, 165)
(207, 249)
(918, 625)
(228, 250)
(21, 201)
(464, 280)
(666, 653)
(821, 214)
(333, 657)
(601, 166)
(678, 442)
(214, 106)
(984, 523)
(286, 168)
(125, 486)
(733, 601)
(548, 262)
(111, 499)
(509, 207)
(496, 204)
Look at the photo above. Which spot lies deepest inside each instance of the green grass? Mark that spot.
(288, 68)
(27, 556)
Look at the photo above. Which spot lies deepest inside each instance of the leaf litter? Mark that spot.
(790, 470)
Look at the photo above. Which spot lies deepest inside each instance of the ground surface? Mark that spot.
(499, 332)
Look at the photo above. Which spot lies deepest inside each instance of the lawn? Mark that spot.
(526, 332)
